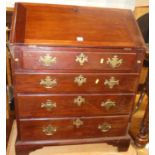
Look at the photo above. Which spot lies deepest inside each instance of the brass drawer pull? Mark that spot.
(79, 100)
(48, 105)
(77, 122)
(115, 61)
(48, 82)
(47, 60)
(105, 127)
(49, 130)
(80, 80)
(108, 104)
(111, 82)
(82, 58)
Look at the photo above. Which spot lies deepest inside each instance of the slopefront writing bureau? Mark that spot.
(75, 71)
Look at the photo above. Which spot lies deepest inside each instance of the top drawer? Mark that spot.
(77, 59)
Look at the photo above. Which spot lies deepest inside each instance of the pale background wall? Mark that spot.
(128, 4)
(142, 3)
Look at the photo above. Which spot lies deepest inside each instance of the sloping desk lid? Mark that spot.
(60, 25)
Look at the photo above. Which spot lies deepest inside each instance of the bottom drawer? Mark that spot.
(73, 128)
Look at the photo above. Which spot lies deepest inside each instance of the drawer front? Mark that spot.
(88, 127)
(63, 105)
(72, 82)
(79, 59)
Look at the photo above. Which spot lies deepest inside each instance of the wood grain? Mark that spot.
(65, 23)
(30, 83)
(31, 59)
(64, 32)
(30, 105)
(32, 129)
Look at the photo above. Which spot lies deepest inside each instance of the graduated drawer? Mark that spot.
(64, 105)
(75, 82)
(78, 59)
(73, 128)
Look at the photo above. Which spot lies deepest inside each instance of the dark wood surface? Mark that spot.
(36, 30)
(30, 83)
(30, 105)
(60, 25)
(32, 129)
(29, 58)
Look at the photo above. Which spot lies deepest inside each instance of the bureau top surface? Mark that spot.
(62, 25)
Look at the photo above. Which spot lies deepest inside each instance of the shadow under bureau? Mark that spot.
(75, 72)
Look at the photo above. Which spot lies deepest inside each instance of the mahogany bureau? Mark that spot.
(75, 72)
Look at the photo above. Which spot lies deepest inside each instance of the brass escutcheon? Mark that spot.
(80, 80)
(48, 82)
(79, 100)
(49, 130)
(77, 122)
(115, 61)
(105, 127)
(47, 60)
(82, 58)
(111, 82)
(48, 105)
(108, 104)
